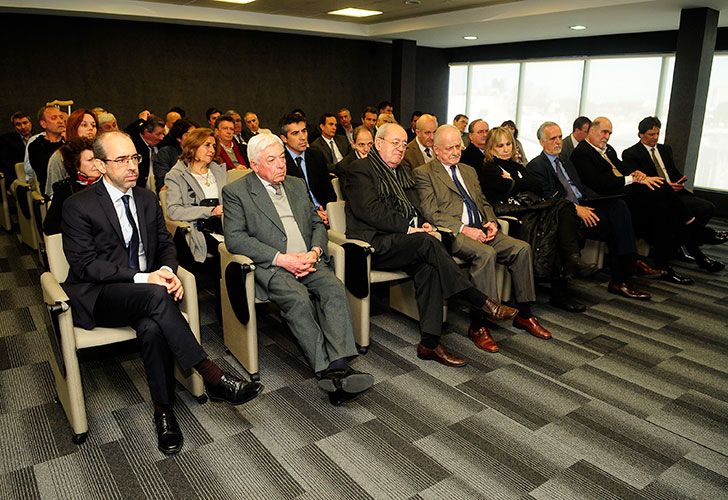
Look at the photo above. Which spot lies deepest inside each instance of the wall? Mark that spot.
(433, 76)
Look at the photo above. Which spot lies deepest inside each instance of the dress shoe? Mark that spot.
(718, 238)
(574, 266)
(532, 326)
(233, 390)
(440, 355)
(642, 269)
(626, 290)
(683, 255)
(671, 276)
(169, 435)
(568, 305)
(496, 311)
(338, 397)
(480, 335)
(710, 265)
(345, 379)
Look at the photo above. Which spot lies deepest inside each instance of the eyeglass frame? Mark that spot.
(136, 159)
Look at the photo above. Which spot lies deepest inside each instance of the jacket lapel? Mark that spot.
(107, 207)
(442, 176)
(143, 226)
(261, 199)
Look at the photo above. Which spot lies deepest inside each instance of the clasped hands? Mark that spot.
(651, 182)
(169, 280)
(299, 264)
(482, 235)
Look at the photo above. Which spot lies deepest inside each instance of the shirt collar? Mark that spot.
(552, 158)
(649, 148)
(294, 154)
(115, 192)
(601, 151)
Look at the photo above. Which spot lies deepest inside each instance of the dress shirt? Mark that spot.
(294, 155)
(331, 143)
(603, 152)
(661, 163)
(574, 189)
(422, 148)
(464, 216)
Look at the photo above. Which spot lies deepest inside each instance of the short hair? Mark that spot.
(210, 112)
(224, 118)
(382, 131)
(152, 122)
(369, 109)
(472, 124)
(42, 110)
(179, 110)
(71, 154)
(360, 129)
(18, 115)
(542, 129)
(424, 118)
(99, 149)
(231, 112)
(180, 127)
(493, 136)
(75, 119)
(194, 140)
(258, 143)
(322, 120)
(289, 118)
(383, 105)
(648, 123)
(511, 123)
(596, 122)
(298, 111)
(457, 117)
(385, 118)
(444, 128)
(105, 117)
(580, 122)
(341, 110)
(416, 114)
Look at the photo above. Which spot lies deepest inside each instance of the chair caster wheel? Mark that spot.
(56, 400)
(255, 377)
(362, 349)
(79, 438)
(202, 399)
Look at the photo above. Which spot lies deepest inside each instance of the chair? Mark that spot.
(337, 188)
(237, 293)
(5, 209)
(28, 203)
(593, 252)
(237, 173)
(66, 339)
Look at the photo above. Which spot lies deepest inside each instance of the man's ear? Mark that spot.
(100, 165)
(283, 138)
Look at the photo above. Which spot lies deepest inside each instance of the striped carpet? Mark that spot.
(629, 400)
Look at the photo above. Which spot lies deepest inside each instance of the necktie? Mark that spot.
(570, 194)
(660, 171)
(427, 152)
(615, 171)
(474, 218)
(133, 247)
(299, 162)
(276, 188)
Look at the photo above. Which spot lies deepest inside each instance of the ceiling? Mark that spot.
(431, 23)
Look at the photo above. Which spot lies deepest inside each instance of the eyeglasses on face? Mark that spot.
(135, 159)
(397, 144)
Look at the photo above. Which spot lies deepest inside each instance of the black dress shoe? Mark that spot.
(574, 266)
(568, 305)
(338, 397)
(683, 255)
(345, 379)
(718, 238)
(233, 390)
(169, 435)
(671, 276)
(710, 265)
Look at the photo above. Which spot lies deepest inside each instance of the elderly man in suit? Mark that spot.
(122, 273)
(333, 147)
(656, 160)
(606, 219)
(474, 153)
(269, 217)
(382, 209)
(580, 129)
(451, 197)
(419, 151)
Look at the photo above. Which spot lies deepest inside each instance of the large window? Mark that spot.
(712, 171)
(493, 92)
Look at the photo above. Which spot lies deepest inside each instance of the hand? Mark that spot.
(217, 211)
(169, 280)
(506, 175)
(587, 215)
(298, 264)
(638, 176)
(652, 182)
(474, 234)
(321, 212)
(144, 115)
(491, 228)
(680, 184)
(428, 228)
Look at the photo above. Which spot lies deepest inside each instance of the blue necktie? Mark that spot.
(474, 218)
(572, 193)
(133, 247)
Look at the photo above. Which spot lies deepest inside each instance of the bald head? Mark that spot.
(448, 145)
(425, 130)
(599, 132)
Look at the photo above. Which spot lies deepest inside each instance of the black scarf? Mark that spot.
(392, 183)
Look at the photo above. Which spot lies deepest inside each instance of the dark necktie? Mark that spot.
(660, 171)
(569, 191)
(133, 247)
(299, 162)
(333, 151)
(427, 152)
(474, 218)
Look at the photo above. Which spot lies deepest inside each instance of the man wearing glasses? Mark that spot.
(122, 273)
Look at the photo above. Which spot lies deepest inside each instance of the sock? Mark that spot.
(429, 341)
(161, 408)
(210, 372)
(524, 309)
(474, 296)
(339, 364)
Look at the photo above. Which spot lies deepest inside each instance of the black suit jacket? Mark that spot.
(12, 151)
(542, 170)
(94, 245)
(639, 158)
(596, 172)
(134, 130)
(340, 130)
(341, 142)
(473, 157)
(319, 180)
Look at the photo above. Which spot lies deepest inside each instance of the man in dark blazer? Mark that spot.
(657, 213)
(306, 163)
(363, 142)
(657, 160)
(333, 147)
(474, 154)
(608, 219)
(382, 210)
(270, 218)
(451, 197)
(146, 135)
(122, 265)
(345, 127)
(12, 145)
(419, 151)
(579, 130)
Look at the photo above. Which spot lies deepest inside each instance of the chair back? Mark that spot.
(337, 188)
(57, 263)
(20, 171)
(337, 216)
(163, 202)
(237, 173)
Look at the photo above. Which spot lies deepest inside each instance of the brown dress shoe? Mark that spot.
(641, 268)
(496, 311)
(440, 355)
(626, 290)
(480, 335)
(532, 326)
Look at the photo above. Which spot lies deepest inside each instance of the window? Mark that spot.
(493, 92)
(713, 155)
(458, 91)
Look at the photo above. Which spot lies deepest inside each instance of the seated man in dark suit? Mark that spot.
(580, 130)
(474, 154)
(608, 219)
(146, 135)
(363, 142)
(306, 163)
(411, 130)
(12, 145)
(656, 160)
(657, 213)
(344, 125)
(382, 210)
(333, 147)
(252, 126)
(122, 273)
(451, 197)
(270, 218)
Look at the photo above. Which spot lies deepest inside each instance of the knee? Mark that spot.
(148, 332)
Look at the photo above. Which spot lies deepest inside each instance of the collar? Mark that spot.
(648, 148)
(552, 158)
(115, 192)
(295, 155)
(599, 150)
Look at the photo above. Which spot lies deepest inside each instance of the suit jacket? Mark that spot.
(323, 146)
(319, 180)
(413, 156)
(440, 199)
(640, 159)
(542, 170)
(12, 151)
(596, 172)
(134, 130)
(472, 156)
(567, 147)
(253, 227)
(340, 130)
(94, 245)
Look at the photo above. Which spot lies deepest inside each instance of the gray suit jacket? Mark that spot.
(253, 227)
(413, 156)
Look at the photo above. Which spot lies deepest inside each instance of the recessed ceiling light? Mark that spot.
(470, 37)
(351, 12)
(236, 1)
(577, 27)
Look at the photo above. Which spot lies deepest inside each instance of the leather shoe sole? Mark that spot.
(348, 380)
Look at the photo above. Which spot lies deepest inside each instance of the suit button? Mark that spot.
(284, 238)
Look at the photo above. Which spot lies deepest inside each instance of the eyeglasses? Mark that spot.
(397, 144)
(135, 159)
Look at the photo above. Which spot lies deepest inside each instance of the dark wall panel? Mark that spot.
(431, 87)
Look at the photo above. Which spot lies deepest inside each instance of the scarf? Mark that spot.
(85, 181)
(392, 183)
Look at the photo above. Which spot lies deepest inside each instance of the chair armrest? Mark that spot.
(190, 304)
(236, 270)
(338, 254)
(52, 291)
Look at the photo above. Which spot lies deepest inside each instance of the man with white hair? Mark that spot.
(270, 218)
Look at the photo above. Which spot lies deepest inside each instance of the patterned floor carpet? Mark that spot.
(629, 400)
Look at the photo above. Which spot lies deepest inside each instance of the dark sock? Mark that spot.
(474, 296)
(429, 341)
(160, 408)
(210, 372)
(339, 364)
(524, 309)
